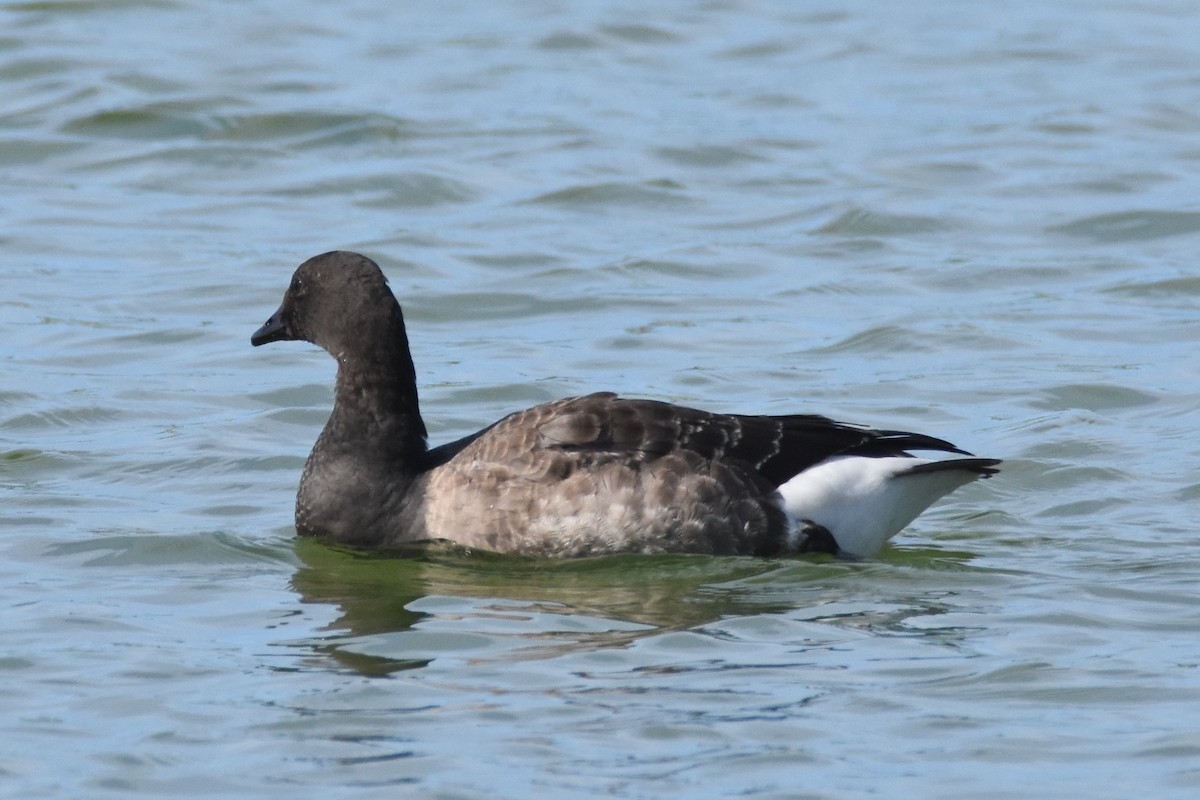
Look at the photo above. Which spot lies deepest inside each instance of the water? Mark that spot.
(976, 222)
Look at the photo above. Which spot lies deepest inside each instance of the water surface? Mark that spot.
(974, 222)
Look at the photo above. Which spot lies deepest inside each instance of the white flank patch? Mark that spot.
(865, 501)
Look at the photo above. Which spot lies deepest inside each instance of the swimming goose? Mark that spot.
(582, 476)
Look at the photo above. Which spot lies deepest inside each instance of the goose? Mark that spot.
(583, 476)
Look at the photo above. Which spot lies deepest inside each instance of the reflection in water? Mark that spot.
(509, 607)
(442, 601)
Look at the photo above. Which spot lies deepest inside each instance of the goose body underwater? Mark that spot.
(583, 476)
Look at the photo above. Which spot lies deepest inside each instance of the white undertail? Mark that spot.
(864, 501)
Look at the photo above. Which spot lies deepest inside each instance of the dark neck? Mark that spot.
(375, 403)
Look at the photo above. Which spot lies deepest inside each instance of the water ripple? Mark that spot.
(660, 194)
(393, 190)
(1132, 226)
(865, 222)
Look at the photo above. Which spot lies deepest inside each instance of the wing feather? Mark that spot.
(603, 424)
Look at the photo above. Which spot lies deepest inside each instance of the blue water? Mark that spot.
(974, 221)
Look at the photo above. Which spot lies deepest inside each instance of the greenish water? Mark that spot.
(974, 222)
